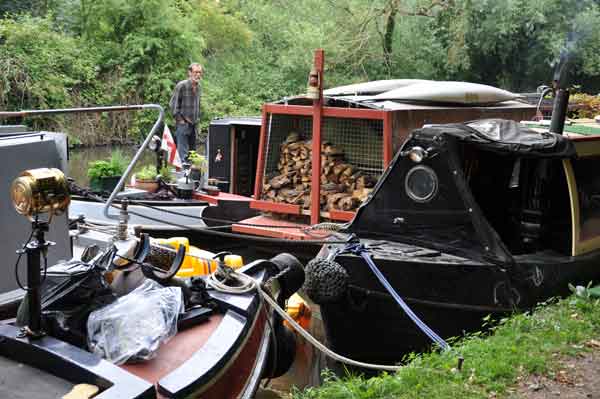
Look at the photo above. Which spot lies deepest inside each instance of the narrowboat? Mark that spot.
(471, 219)
(225, 341)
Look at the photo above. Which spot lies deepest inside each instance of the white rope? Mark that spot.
(248, 284)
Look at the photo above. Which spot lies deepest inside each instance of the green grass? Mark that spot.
(519, 345)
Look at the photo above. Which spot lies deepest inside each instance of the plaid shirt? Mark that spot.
(185, 103)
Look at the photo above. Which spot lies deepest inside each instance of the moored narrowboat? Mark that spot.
(472, 219)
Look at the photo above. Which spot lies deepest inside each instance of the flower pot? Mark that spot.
(105, 183)
(149, 185)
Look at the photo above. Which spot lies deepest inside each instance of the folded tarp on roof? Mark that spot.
(505, 136)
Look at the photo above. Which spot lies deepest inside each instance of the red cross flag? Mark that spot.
(168, 145)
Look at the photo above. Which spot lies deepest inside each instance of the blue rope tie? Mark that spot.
(359, 249)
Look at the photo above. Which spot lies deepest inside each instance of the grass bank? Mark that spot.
(520, 345)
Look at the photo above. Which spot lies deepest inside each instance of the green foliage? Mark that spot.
(166, 173)
(114, 166)
(589, 106)
(513, 44)
(43, 67)
(198, 161)
(81, 52)
(520, 345)
(148, 172)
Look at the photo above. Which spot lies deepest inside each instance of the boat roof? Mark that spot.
(237, 120)
(502, 136)
(395, 105)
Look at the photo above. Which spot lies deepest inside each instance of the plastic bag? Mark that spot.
(132, 328)
(69, 293)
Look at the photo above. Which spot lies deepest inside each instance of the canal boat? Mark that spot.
(223, 347)
(318, 157)
(473, 219)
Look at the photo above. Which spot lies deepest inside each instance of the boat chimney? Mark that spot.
(561, 91)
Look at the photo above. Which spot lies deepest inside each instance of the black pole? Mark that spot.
(34, 255)
(559, 111)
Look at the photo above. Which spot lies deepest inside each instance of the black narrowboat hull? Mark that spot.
(452, 296)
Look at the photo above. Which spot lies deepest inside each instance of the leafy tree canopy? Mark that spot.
(60, 53)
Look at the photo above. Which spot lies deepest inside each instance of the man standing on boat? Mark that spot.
(185, 107)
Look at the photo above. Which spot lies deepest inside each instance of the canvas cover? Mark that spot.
(506, 136)
(451, 222)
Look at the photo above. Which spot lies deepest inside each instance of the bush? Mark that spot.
(114, 166)
(148, 172)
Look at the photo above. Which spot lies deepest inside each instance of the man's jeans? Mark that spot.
(185, 137)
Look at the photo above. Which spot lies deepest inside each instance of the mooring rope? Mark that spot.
(246, 284)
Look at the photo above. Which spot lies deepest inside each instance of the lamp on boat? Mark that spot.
(38, 191)
(416, 154)
(34, 193)
(312, 89)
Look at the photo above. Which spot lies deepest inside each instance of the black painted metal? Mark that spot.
(34, 252)
(225, 135)
(559, 111)
(72, 364)
(444, 257)
(202, 369)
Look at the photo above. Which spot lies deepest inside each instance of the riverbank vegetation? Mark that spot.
(71, 53)
(525, 344)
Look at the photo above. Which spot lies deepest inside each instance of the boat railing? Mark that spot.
(138, 154)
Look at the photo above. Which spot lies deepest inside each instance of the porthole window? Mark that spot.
(421, 183)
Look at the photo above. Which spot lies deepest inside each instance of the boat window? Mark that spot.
(588, 191)
(526, 201)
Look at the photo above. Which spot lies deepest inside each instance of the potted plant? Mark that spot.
(199, 166)
(166, 174)
(145, 179)
(104, 174)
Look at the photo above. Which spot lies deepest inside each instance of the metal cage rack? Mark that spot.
(367, 133)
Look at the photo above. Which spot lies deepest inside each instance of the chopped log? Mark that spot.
(348, 203)
(279, 181)
(342, 185)
(333, 199)
(362, 194)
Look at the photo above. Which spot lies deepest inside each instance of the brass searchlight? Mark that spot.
(38, 191)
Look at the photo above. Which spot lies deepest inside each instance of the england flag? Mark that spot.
(168, 145)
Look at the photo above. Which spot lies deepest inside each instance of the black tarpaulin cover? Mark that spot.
(451, 221)
(507, 136)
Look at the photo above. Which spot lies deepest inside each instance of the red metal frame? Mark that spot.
(331, 112)
(315, 195)
(283, 109)
(260, 162)
(387, 139)
(279, 207)
(318, 112)
(358, 113)
(345, 216)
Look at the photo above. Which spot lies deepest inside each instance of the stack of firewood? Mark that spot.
(343, 187)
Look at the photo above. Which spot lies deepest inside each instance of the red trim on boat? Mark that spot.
(269, 206)
(345, 216)
(233, 381)
(285, 232)
(222, 196)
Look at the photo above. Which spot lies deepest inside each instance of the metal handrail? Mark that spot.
(138, 154)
